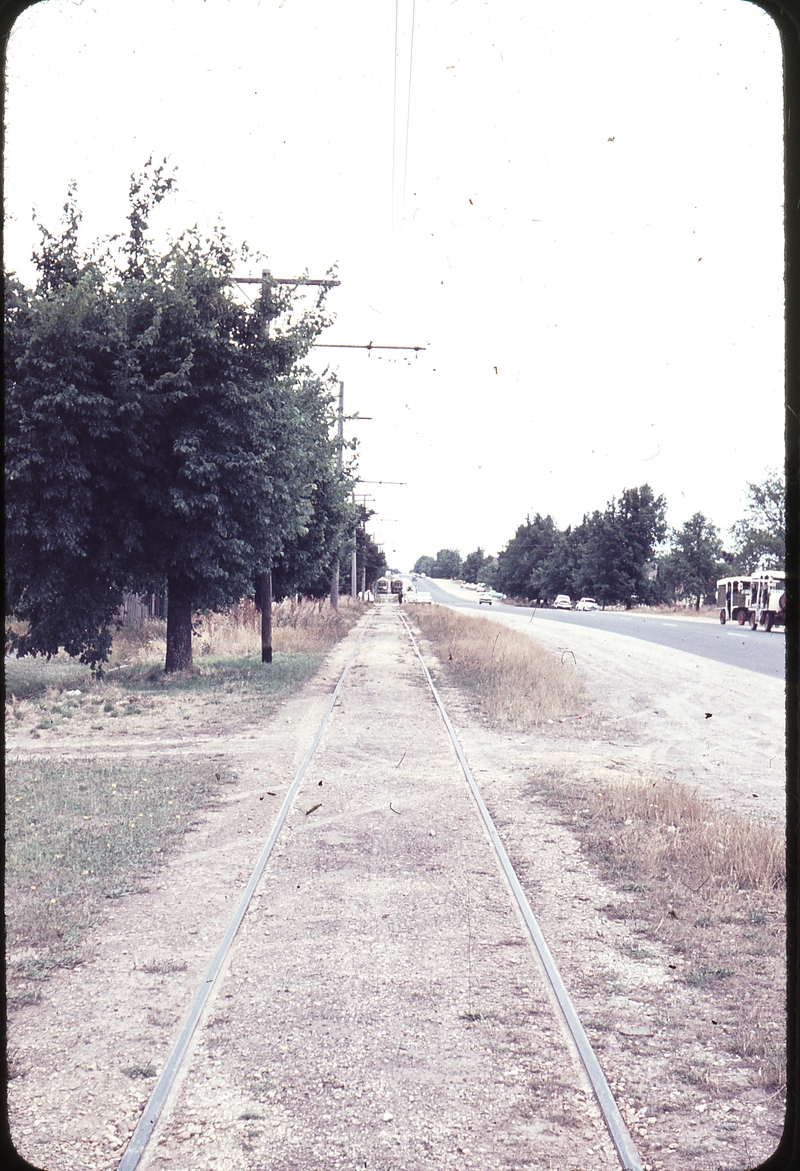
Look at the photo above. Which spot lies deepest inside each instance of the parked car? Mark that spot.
(587, 604)
(562, 602)
(423, 597)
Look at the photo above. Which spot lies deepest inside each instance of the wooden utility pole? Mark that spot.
(267, 280)
(354, 561)
(339, 446)
(266, 616)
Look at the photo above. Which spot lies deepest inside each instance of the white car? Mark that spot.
(422, 597)
(484, 597)
(587, 604)
(562, 602)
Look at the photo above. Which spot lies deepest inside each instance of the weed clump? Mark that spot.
(516, 683)
(665, 827)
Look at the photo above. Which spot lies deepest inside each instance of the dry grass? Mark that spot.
(300, 626)
(662, 824)
(671, 610)
(703, 881)
(517, 683)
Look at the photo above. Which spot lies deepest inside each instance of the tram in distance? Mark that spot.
(389, 589)
(759, 599)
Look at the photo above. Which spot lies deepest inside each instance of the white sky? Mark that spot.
(591, 247)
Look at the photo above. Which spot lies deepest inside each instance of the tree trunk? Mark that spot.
(179, 627)
(266, 617)
(335, 587)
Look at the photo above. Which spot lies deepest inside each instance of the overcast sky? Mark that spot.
(576, 208)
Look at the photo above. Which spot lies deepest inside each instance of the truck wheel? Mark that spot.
(741, 617)
(722, 617)
(769, 620)
(753, 620)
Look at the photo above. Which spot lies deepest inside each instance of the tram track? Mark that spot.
(387, 840)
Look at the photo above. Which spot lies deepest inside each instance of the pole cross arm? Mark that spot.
(281, 280)
(368, 346)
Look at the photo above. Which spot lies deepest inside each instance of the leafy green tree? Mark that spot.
(471, 567)
(307, 560)
(478, 567)
(520, 564)
(618, 552)
(161, 435)
(424, 565)
(560, 571)
(694, 562)
(447, 564)
(601, 571)
(488, 574)
(369, 556)
(760, 536)
(68, 476)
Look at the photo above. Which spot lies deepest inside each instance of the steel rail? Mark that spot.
(620, 1135)
(155, 1103)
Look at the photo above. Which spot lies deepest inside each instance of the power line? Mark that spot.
(394, 102)
(267, 278)
(408, 111)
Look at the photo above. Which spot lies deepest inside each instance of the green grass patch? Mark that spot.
(81, 832)
(32, 679)
(244, 673)
(43, 701)
(28, 678)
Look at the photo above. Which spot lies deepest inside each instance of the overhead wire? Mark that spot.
(408, 108)
(394, 103)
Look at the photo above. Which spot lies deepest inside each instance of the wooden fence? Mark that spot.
(136, 610)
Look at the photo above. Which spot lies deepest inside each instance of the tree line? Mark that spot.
(626, 553)
(162, 435)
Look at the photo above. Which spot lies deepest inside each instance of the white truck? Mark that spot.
(759, 599)
(767, 601)
(733, 599)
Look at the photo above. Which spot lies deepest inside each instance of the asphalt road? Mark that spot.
(734, 645)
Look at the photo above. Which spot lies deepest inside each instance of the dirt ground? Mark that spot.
(381, 1008)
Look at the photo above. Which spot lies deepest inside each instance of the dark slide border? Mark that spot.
(786, 14)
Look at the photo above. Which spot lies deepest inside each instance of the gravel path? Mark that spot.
(382, 1007)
